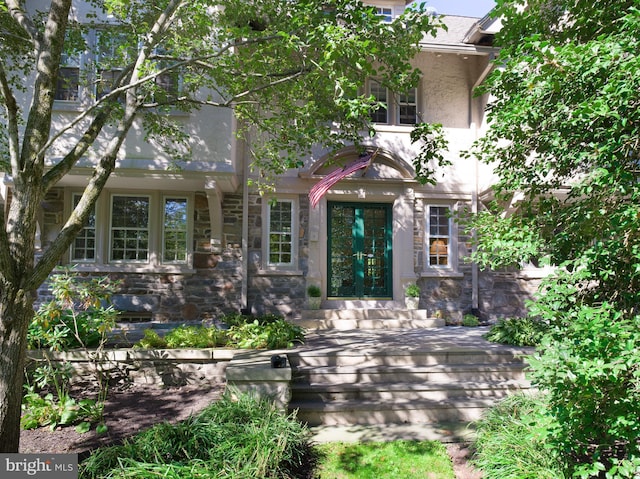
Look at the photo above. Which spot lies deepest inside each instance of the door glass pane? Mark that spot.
(375, 251)
(341, 261)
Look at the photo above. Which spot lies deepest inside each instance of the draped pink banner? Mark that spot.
(321, 187)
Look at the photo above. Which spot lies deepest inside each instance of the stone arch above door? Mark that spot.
(385, 165)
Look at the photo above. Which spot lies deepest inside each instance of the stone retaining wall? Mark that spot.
(247, 371)
(167, 367)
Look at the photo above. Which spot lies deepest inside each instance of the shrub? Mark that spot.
(76, 316)
(470, 321)
(589, 366)
(412, 291)
(313, 290)
(510, 441)
(517, 331)
(196, 337)
(276, 335)
(265, 332)
(243, 438)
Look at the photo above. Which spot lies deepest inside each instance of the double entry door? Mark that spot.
(359, 250)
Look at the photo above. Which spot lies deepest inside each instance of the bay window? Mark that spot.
(147, 231)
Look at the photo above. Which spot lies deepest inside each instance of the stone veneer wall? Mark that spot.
(279, 291)
(500, 293)
(215, 287)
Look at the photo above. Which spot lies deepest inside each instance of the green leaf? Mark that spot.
(83, 427)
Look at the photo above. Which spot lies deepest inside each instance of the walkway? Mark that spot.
(451, 339)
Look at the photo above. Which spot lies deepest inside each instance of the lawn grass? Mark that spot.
(389, 460)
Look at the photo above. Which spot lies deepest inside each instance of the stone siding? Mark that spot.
(214, 289)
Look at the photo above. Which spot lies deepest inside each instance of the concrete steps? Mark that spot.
(438, 380)
(367, 319)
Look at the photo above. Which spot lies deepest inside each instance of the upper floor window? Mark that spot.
(96, 72)
(386, 13)
(112, 53)
(408, 108)
(394, 109)
(68, 86)
(439, 236)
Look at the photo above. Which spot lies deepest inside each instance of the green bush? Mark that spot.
(470, 321)
(76, 317)
(517, 331)
(510, 441)
(589, 366)
(241, 439)
(264, 332)
(275, 335)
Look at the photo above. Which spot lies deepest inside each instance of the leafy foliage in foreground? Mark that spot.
(76, 316)
(245, 438)
(591, 371)
(563, 140)
(508, 447)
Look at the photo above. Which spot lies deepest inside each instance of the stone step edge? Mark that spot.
(367, 324)
(444, 432)
(364, 405)
(301, 371)
(510, 384)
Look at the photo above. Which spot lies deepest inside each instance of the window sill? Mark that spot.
(441, 273)
(131, 268)
(384, 127)
(278, 272)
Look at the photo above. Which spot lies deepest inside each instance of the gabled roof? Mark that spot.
(468, 35)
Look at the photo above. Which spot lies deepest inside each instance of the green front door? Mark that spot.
(359, 255)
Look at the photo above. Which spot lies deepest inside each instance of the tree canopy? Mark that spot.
(290, 70)
(564, 139)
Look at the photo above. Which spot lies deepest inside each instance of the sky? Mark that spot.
(467, 8)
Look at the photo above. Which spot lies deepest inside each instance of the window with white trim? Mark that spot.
(95, 71)
(175, 230)
(83, 248)
(386, 13)
(281, 233)
(142, 230)
(129, 231)
(394, 108)
(439, 237)
(408, 108)
(380, 94)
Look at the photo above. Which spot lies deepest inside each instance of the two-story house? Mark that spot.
(192, 243)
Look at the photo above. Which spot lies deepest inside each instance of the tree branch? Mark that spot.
(48, 55)
(25, 21)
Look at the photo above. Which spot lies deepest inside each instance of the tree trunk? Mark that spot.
(16, 312)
